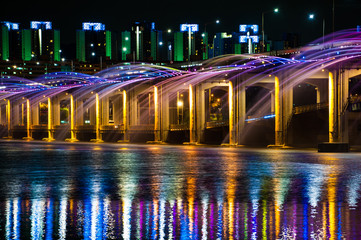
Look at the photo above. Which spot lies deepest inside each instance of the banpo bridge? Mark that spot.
(207, 103)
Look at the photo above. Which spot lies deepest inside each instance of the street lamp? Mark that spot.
(205, 25)
(311, 16)
(205, 32)
(276, 10)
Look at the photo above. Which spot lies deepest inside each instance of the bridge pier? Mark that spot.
(283, 105)
(8, 117)
(240, 109)
(192, 133)
(200, 112)
(125, 117)
(98, 137)
(72, 121)
(50, 137)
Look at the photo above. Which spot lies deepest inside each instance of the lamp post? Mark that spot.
(205, 25)
(205, 31)
(276, 10)
(311, 17)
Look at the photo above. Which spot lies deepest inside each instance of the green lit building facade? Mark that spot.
(94, 43)
(198, 44)
(10, 36)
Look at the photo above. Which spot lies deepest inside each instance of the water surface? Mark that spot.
(113, 191)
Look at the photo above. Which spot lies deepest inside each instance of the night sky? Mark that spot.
(118, 15)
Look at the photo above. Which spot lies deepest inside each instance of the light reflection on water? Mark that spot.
(146, 192)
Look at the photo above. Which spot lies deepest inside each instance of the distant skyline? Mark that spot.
(67, 16)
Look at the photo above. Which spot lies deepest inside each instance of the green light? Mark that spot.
(276, 10)
(108, 44)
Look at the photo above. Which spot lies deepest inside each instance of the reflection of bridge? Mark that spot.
(149, 102)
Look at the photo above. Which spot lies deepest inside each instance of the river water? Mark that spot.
(113, 191)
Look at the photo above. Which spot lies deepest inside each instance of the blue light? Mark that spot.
(254, 39)
(11, 26)
(186, 27)
(244, 38)
(269, 116)
(39, 25)
(90, 26)
(248, 28)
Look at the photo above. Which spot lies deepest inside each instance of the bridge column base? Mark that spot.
(333, 147)
(28, 138)
(71, 140)
(96, 140)
(156, 142)
(230, 145)
(274, 146)
(48, 139)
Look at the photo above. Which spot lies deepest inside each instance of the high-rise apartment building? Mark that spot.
(144, 39)
(190, 44)
(93, 43)
(40, 42)
(10, 36)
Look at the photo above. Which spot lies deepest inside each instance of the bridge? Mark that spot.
(205, 102)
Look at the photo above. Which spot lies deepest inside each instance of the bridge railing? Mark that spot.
(309, 108)
(214, 124)
(179, 127)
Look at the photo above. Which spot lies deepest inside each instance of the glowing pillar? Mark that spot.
(125, 115)
(28, 135)
(97, 118)
(189, 43)
(8, 117)
(191, 115)
(137, 37)
(72, 121)
(50, 121)
(156, 115)
(278, 113)
(331, 107)
(231, 114)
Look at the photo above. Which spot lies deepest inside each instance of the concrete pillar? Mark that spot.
(156, 116)
(232, 134)
(98, 137)
(283, 96)
(105, 110)
(164, 113)
(72, 121)
(331, 107)
(278, 113)
(50, 122)
(287, 111)
(28, 119)
(133, 111)
(8, 117)
(35, 113)
(343, 95)
(200, 112)
(117, 109)
(241, 108)
(192, 135)
(56, 111)
(125, 115)
(16, 119)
